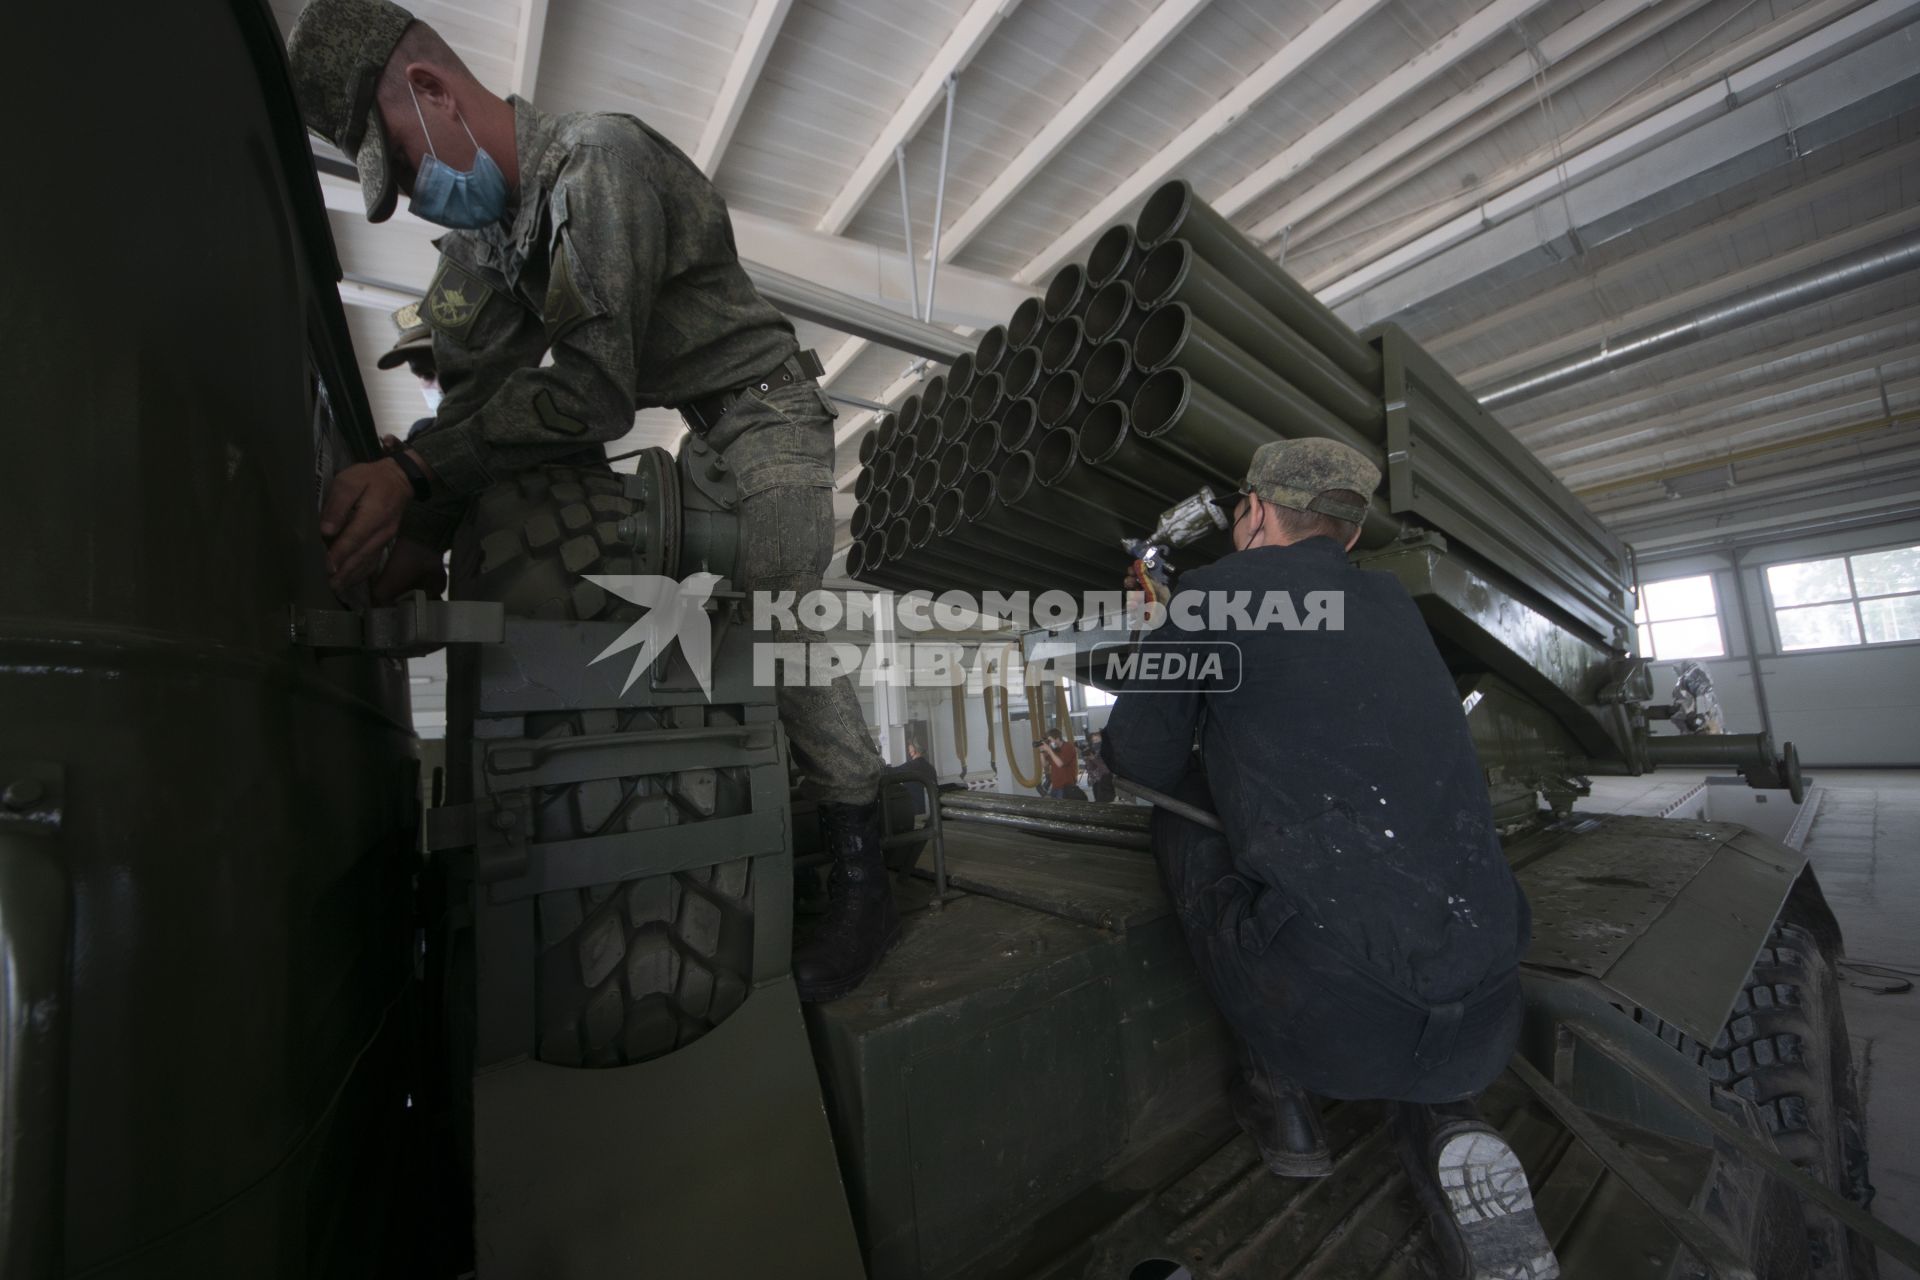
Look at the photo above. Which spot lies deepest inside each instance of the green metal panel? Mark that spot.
(711, 1161)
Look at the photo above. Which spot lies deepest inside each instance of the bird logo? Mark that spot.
(675, 609)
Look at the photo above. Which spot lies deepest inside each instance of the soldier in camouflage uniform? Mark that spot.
(590, 238)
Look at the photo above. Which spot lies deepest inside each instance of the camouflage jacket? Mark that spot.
(620, 262)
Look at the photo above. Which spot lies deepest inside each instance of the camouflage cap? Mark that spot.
(1295, 473)
(414, 336)
(337, 50)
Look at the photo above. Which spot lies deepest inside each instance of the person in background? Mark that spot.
(923, 770)
(1063, 767)
(1099, 776)
(413, 348)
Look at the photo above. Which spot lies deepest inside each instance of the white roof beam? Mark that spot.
(1300, 52)
(1706, 293)
(1721, 85)
(1568, 52)
(526, 46)
(1115, 74)
(1585, 284)
(756, 41)
(1749, 368)
(1386, 93)
(968, 36)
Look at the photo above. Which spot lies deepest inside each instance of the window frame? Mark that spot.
(1719, 620)
(1852, 598)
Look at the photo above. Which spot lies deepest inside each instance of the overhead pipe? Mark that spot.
(1114, 256)
(1112, 313)
(988, 389)
(1067, 292)
(1060, 399)
(1173, 337)
(939, 203)
(1871, 265)
(1022, 373)
(1018, 424)
(992, 352)
(1111, 374)
(1174, 272)
(1023, 330)
(1065, 346)
(1194, 425)
(1174, 210)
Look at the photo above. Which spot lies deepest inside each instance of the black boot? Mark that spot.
(1475, 1193)
(1282, 1120)
(861, 922)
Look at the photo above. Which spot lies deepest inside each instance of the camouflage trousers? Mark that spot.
(779, 446)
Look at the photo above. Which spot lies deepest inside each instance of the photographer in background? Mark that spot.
(1063, 767)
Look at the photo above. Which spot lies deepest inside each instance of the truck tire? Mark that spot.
(635, 969)
(632, 969)
(1785, 1050)
(528, 541)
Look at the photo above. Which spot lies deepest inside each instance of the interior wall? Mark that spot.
(1854, 706)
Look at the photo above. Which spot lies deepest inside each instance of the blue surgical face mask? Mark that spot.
(462, 201)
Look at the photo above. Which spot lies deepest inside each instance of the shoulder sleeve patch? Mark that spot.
(569, 301)
(454, 300)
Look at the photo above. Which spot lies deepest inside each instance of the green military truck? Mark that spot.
(268, 1015)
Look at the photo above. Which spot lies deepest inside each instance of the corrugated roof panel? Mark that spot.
(663, 61)
(831, 83)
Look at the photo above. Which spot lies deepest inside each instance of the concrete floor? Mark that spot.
(1865, 846)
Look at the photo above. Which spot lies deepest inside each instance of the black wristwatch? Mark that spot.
(422, 487)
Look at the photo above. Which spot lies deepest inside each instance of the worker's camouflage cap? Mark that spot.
(1295, 473)
(414, 336)
(337, 49)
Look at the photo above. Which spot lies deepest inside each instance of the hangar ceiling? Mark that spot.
(1675, 242)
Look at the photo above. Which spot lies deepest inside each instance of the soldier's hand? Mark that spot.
(360, 516)
(413, 566)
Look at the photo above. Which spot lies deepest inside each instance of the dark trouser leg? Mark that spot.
(1216, 909)
(782, 460)
(780, 448)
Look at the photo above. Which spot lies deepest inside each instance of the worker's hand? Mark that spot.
(1153, 589)
(392, 444)
(412, 566)
(360, 516)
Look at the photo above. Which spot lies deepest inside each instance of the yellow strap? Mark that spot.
(1006, 736)
(960, 723)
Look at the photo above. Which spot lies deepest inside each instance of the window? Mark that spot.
(1869, 598)
(1679, 618)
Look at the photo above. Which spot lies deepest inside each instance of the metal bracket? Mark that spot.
(32, 797)
(414, 626)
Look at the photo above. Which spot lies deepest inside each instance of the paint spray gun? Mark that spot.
(1184, 523)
